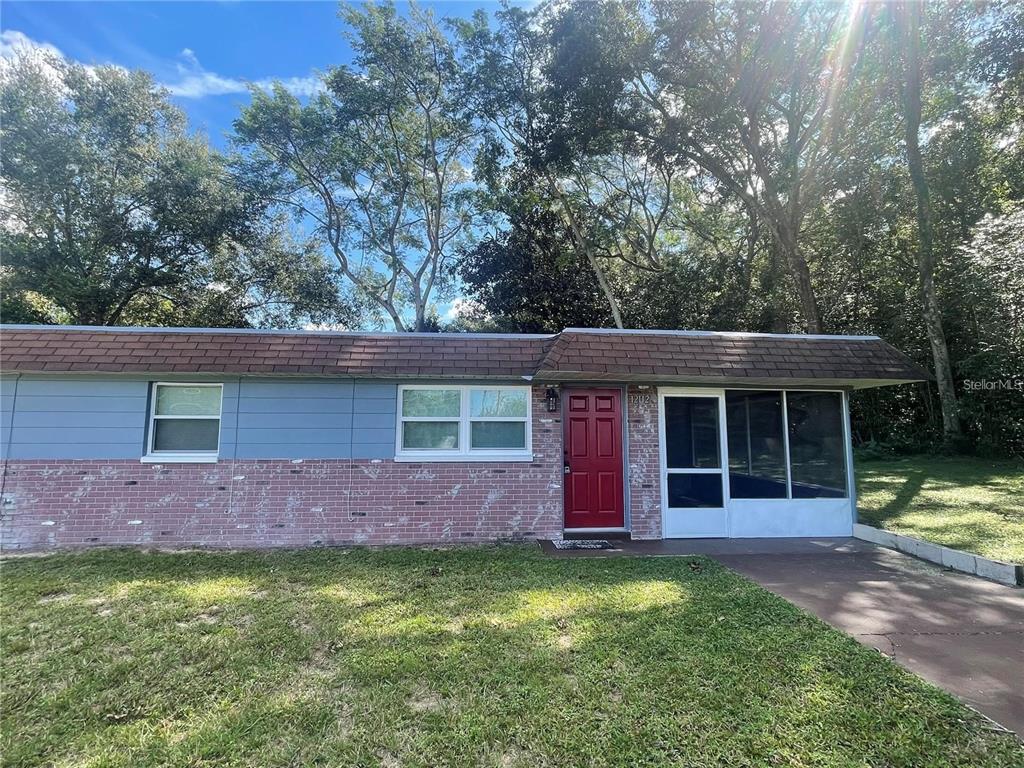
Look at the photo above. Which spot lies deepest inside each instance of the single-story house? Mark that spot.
(253, 438)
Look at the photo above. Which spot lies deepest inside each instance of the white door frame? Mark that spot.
(711, 522)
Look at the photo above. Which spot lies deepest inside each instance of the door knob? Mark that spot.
(566, 470)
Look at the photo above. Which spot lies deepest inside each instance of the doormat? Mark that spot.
(582, 544)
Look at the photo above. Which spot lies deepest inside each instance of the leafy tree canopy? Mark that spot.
(114, 214)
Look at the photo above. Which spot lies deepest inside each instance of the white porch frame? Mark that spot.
(753, 518)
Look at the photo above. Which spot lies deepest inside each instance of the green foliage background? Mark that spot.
(679, 165)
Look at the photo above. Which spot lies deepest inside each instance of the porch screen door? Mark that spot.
(693, 461)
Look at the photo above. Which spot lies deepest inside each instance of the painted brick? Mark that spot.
(285, 503)
(644, 463)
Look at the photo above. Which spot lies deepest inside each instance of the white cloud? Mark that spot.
(195, 82)
(463, 307)
(15, 44)
(190, 79)
(12, 42)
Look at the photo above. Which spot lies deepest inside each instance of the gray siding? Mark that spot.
(106, 418)
(376, 404)
(7, 390)
(77, 418)
(315, 419)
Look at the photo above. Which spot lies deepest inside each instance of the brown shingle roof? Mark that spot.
(70, 350)
(690, 356)
(574, 354)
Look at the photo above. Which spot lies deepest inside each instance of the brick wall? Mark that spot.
(247, 503)
(644, 459)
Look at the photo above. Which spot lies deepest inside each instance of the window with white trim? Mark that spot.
(463, 423)
(184, 422)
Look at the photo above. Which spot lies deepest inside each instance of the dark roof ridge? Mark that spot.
(428, 334)
(268, 331)
(727, 334)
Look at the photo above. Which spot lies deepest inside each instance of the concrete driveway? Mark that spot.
(962, 633)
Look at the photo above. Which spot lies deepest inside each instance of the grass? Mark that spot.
(493, 656)
(972, 504)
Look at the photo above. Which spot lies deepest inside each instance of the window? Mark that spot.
(757, 449)
(691, 432)
(817, 454)
(786, 445)
(459, 423)
(184, 422)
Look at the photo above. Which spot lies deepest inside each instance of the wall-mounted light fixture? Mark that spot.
(551, 398)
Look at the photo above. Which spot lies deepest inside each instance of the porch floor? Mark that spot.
(713, 547)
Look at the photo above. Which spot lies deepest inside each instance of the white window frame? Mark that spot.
(167, 457)
(464, 452)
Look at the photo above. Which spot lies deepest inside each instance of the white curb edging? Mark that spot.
(976, 565)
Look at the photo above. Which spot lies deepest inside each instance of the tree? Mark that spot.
(529, 279)
(110, 208)
(908, 28)
(377, 165)
(506, 89)
(755, 95)
(994, 280)
(620, 201)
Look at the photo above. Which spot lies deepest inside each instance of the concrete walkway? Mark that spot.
(962, 633)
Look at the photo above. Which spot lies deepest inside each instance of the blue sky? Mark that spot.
(204, 51)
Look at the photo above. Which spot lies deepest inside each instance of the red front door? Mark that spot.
(593, 458)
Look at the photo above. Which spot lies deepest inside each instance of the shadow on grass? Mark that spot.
(961, 502)
(493, 656)
(911, 486)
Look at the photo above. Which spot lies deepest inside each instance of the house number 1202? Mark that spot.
(640, 401)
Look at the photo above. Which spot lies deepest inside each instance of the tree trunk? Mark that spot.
(584, 244)
(801, 276)
(909, 19)
(606, 288)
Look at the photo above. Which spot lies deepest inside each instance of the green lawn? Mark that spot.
(494, 656)
(966, 503)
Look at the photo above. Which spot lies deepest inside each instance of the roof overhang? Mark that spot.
(737, 382)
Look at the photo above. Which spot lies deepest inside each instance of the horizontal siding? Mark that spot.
(283, 404)
(70, 404)
(276, 420)
(8, 385)
(78, 418)
(296, 436)
(373, 435)
(90, 450)
(106, 418)
(80, 387)
(370, 420)
(228, 419)
(313, 389)
(81, 418)
(316, 419)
